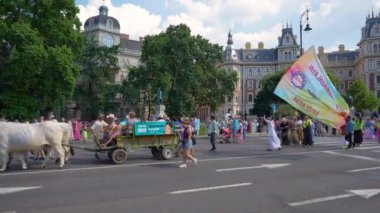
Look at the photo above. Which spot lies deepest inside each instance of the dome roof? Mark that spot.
(102, 18)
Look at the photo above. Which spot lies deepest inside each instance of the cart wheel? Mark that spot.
(97, 156)
(119, 156)
(167, 152)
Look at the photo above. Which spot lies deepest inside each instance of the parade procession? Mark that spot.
(145, 106)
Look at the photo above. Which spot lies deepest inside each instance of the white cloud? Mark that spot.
(134, 20)
(326, 8)
(269, 37)
(249, 20)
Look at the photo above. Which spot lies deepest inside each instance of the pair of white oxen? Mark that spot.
(21, 138)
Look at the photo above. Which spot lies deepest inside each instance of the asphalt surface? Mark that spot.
(234, 178)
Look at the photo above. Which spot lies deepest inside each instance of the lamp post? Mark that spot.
(307, 28)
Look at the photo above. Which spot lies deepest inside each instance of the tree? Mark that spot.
(38, 73)
(265, 97)
(285, 110)
(96, 87)
(184, 67)
(362, 98)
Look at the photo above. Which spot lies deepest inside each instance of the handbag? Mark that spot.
(194, 140)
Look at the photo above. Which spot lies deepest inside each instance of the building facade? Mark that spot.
(252, 64)
(106, 31)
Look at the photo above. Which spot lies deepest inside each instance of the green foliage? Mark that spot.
(285, 110)
(334, 80)
(96, 88)
(363, 99)
(184, 67)
(265, 97)
(38, 74)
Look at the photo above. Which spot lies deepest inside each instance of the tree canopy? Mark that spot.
(39, 43)
(96, 86)
(362, 98)
(184, 68)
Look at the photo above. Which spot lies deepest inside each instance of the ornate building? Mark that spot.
(106, 31)
(252, 64)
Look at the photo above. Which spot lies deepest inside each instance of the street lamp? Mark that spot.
(307, 28)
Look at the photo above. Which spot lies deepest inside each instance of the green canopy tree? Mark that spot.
(184, 68)
(96, 88)
(42, 40)
(362, 98)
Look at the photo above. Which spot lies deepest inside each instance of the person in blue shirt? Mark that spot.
(349, 131)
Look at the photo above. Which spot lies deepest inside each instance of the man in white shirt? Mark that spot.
(98, 127)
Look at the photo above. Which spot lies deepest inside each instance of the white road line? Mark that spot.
(364, 169)
(238, 168)
(369, 147)
(210, 188)
(352, 156)
(268, 166)
(322, 199)
(363, 193)
(7, 190)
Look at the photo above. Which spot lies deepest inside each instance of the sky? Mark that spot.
(333, 22)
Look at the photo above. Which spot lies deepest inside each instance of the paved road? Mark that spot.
(235, 178)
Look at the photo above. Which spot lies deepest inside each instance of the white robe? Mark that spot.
(273, 140)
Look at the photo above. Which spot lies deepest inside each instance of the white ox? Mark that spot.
(22, 138)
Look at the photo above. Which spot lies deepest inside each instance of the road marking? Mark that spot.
(158, 163)
(210, 188)
(363, 193)
(268, 166)
(376, 151)
(369, 147)
(352, 156)
(7, 190)
(365, 169)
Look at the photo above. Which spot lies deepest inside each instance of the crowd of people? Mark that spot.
(228, 129)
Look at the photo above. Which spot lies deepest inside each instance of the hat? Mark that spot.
(101, 115)
(185, 120)
(160, 116)
(111, 116)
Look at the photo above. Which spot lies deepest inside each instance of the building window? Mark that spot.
(378, 79)
(377, 65)
(287, 39)
(250, 72)
(350, 73)
(250, 97)
(375, 48)
(378, 93)
(250, 84)
(229, 98)
(109, 24)
(108, 40)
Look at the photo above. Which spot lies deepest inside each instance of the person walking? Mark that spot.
(358, 130)
(197, 125)
(212, 131)
(307, 133)
(186, 144)
(348, 132)
(274, 142)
